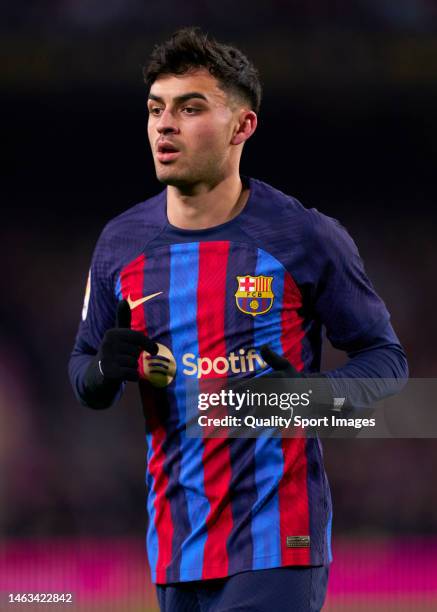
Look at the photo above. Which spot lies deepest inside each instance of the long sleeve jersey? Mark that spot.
(275, 274)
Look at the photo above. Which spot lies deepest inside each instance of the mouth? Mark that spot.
(166, 152)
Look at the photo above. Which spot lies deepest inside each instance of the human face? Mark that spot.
(191, 126)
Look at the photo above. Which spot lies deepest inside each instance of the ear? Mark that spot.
(247, 122)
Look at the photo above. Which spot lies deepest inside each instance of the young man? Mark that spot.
(200, 277)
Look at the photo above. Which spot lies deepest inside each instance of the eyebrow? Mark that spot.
(179, 99)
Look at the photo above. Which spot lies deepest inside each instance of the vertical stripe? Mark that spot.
(183, 323)
(131, 285)
(118, 293)
(156, 425)
(152, 480)
(165, 497)
(292, 332)
(293, 492)
(175, 526)
(268, 452)
(131, 281)
(328, 537)
(211, 292)
(239, 336)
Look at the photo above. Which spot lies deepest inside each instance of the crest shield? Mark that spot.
(254, 295)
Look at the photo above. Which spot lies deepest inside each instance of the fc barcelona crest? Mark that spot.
(254, 295)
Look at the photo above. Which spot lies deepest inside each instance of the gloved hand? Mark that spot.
(121, 346)
(282, 368)
(322, 402)
(116, 360)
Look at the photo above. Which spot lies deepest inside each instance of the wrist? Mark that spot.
(99, 391)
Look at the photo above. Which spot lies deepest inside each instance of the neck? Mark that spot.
(205, 205)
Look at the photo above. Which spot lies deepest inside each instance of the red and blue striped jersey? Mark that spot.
(275, 274)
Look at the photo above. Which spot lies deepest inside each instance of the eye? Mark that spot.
(190, 110)
(155, 110)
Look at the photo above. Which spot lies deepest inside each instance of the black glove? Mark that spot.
(322, 398)
(322, 401)
(116, 360)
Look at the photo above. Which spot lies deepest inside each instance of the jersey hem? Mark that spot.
(160, 577)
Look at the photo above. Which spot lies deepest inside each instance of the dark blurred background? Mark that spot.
(348, 125)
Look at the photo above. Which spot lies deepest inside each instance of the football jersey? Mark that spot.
(274, 274)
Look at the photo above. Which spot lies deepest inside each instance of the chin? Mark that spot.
(174, 179)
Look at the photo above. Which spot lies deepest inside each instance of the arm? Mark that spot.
(98, 315)
(357, 322)
(379, 357)
(80, 360)
(106, 350)
(339, 296)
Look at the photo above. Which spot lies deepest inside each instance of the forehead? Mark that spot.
(169, 86)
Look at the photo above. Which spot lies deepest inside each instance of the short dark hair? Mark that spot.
(190, 48)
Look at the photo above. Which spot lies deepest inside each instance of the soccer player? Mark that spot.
(186, 286)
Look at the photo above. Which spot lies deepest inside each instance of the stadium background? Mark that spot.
(348, 125)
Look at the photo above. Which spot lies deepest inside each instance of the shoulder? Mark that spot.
(272, 199)
(330, 236)
(127, 234)
(307, 242)
(283, 214)
(145, 218)
(276, 201)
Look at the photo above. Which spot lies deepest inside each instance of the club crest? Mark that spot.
(254, 295)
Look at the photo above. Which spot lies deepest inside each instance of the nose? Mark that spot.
(167, 123)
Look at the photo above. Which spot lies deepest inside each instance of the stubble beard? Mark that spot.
(185, 179)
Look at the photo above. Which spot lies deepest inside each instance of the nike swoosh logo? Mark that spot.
(134, 303)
